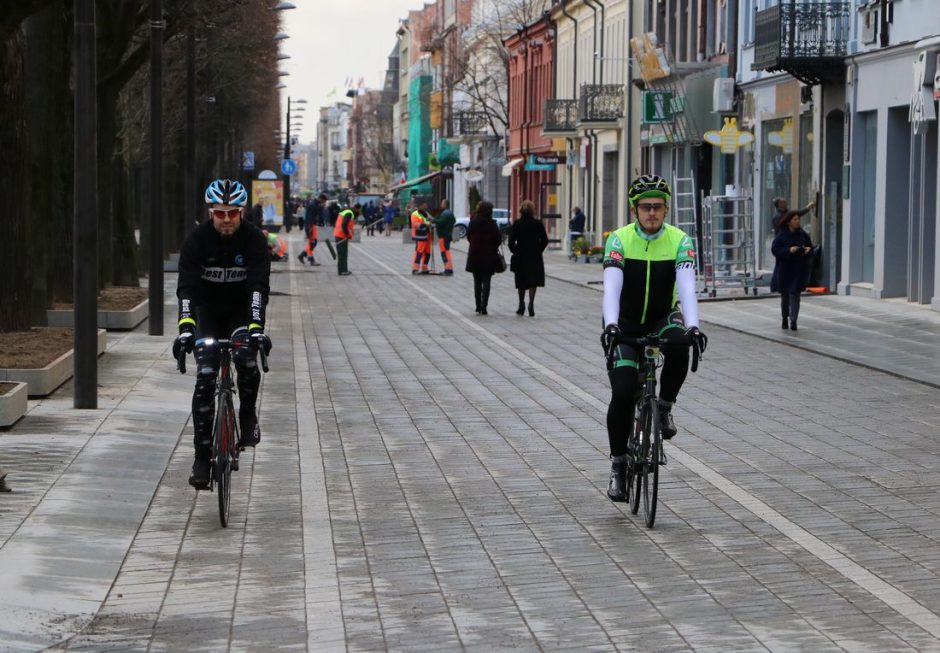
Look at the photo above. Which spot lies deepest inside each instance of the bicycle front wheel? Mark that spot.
(224, 444)
(654, 442)
(635, 464)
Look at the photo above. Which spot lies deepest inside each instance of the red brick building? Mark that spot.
(531, 78)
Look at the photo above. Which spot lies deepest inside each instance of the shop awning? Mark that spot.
(415, 181)
(507, 169)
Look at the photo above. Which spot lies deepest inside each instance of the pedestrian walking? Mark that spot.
(421, 236)
(388, 216)
(444, 226)
(576, 225)
(527, 240)
(483, 255)
(792, 248)
(781, 209)
(343, 232)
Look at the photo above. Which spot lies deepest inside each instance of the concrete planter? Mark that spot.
(113, 320)
(43, 381)
(13, 405)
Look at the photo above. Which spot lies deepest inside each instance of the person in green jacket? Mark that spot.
(444, 226)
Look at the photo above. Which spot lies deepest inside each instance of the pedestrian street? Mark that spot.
(433, 479)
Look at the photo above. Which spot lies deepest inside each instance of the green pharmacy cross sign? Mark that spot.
(658, 107)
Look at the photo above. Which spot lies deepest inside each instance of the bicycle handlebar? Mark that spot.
(651, 341)
(181, 359)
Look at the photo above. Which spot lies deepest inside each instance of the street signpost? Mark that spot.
(288, 167)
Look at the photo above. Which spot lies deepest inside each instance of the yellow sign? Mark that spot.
(270, 195)
(730, 138)
(783, 138)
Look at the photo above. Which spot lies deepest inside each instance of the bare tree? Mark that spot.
(485, 80)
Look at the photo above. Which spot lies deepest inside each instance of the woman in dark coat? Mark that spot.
(527, 241)
(483, 254)
(792, 248)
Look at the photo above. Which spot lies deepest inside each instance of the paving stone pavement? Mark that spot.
(429, 479)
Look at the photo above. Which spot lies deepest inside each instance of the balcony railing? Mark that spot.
(470, 123)
(809, 40)
(560, 116)
(600, 104)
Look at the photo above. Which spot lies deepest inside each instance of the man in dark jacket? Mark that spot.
(576, 225)
(223, 287)
(780, 209)
(444, 226)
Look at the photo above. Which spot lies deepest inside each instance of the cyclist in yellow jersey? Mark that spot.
(649, 266)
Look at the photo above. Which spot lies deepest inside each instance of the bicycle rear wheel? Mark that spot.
(654, 442)
(224, 444)
(635, 464)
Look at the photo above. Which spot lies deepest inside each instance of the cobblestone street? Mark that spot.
(431, 479)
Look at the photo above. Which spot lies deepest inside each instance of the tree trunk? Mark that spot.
(15, 243)
(49, 111)
(107, 136)
(125, 245)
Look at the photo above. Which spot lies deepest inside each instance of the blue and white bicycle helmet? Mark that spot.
(226, 191)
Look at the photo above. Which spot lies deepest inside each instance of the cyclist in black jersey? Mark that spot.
(649, 266)
(223, 287)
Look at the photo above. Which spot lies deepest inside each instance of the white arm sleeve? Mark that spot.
(613, 285)
(685, 279)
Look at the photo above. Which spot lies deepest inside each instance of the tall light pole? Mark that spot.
(287, 217)
(85, 216)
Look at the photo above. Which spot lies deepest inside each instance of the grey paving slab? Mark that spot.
(433, 479)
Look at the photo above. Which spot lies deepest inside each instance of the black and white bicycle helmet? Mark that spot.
(648, 186)
(226, 191)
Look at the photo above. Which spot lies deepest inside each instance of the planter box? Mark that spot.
(13, 405)
(114, 320)
(43, 381)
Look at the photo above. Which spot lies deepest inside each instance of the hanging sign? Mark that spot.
(729, 138)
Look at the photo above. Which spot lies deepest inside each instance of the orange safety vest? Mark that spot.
(419, 226)
(338, 231)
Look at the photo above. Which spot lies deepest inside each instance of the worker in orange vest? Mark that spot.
(343, 232)
(312, 240)
(421, 235)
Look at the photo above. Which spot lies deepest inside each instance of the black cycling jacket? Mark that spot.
(224, 275)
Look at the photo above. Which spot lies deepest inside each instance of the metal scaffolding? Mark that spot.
(729, 259)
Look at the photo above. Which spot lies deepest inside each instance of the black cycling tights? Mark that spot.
(623, 385)
(208, 359)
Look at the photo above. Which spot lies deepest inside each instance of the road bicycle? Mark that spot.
(645, 453)
(225, 437)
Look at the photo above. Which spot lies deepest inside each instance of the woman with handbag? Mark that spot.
(527, 241)
(483, 256)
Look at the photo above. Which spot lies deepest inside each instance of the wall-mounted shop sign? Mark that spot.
(729, 138)
(657, 107)
(544, 161)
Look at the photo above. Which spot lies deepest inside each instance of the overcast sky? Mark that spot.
(332, 40)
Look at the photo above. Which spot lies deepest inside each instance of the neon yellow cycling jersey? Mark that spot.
(649, 267)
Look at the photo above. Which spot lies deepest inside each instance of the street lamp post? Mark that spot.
(287, 216)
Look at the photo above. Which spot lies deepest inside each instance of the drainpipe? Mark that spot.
(733, 40)
(594, 57)
(600, 3)
(574, 76)
(553, 26)
(527, 118)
